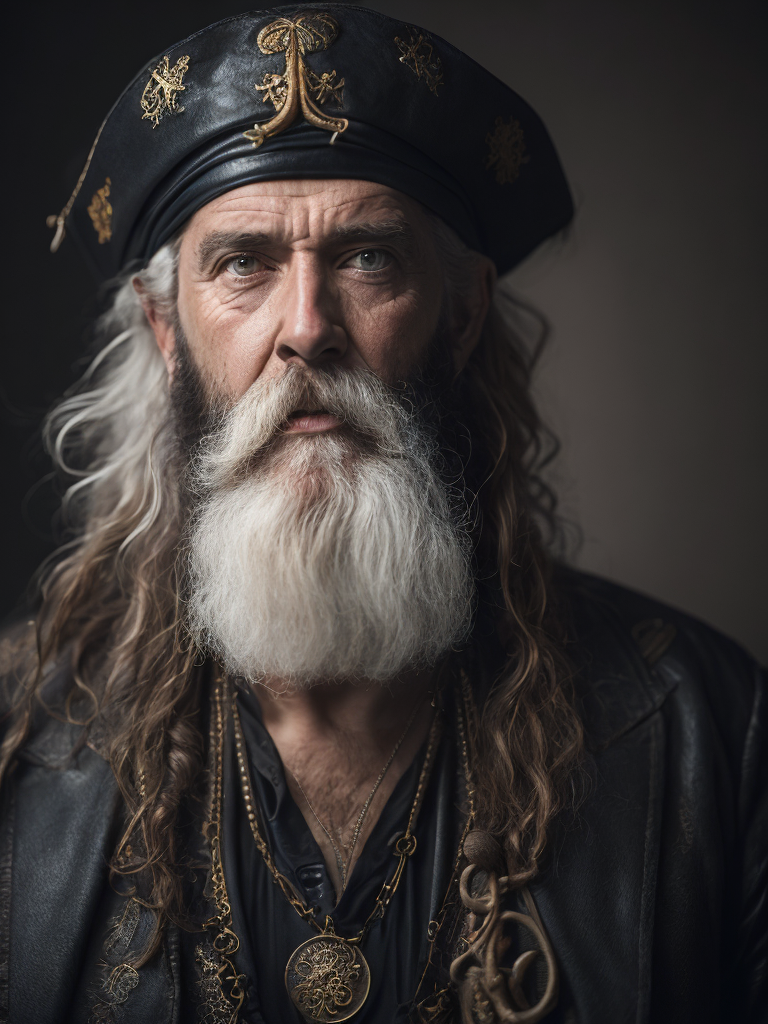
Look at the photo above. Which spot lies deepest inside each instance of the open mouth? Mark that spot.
(311, 421)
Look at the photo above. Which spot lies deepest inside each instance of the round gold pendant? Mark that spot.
(327, 979)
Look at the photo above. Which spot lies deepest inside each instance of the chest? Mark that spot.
(385, 910)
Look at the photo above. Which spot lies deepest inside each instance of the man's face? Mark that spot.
(300, 302)
(311, 273)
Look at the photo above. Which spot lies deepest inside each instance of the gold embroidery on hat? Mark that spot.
(100, 212)
(292, 92)
(506, 150)
(417, 55)
(160, 96)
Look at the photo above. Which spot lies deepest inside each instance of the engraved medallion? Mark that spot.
(327, 979)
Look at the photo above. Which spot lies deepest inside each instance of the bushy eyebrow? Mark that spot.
(394, 231)
(218, 242)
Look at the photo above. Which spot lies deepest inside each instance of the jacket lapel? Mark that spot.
(62, 908)
(62, 842)
(597, 895)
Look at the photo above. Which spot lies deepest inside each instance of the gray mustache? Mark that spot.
(368, 408)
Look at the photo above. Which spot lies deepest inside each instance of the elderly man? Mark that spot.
(308, 724)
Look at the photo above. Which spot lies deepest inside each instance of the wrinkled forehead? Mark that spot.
(306, 211)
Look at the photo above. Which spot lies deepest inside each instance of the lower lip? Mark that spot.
(315, 423)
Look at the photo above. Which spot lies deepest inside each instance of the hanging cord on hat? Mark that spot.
(58, 221)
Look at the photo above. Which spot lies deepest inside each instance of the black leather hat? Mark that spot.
(318, 91)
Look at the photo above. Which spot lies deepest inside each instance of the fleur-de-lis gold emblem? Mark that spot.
(100, 212)
(160, 96)
(417, 54)
(294, 91)
(506, 150)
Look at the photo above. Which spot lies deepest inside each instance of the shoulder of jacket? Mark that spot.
(52, 737)
(634, 651)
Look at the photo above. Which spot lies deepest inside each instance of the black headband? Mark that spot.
(324, 91)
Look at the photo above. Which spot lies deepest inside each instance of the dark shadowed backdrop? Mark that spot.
(655, 378)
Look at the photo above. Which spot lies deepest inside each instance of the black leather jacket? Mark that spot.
(656, 899)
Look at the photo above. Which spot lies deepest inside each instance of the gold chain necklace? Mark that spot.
(340, 862)
(230, 984)
(327, 977)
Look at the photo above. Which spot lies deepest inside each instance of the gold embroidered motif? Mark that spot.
(417, 55)
(506, 150)
(212, 973)
(160, 96)
(100, 212)
(653, 637)
(292, 92)
(121, 935)
(276, 89)
(117, 978)
(121, 982)
(117, 987)
(326, 87)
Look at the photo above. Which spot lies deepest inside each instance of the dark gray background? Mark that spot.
(656, 375)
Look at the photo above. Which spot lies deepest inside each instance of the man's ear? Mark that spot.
(164, 332)
(474, 313)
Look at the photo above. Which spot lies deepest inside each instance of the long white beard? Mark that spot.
(328, 556)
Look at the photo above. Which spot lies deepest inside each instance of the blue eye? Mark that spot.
(371, 260)
(244, 266)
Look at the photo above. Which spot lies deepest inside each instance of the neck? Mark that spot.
(342, 708)
(335, 738)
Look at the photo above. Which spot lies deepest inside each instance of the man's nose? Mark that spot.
(310, 331)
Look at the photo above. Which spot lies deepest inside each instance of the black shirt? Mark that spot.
(397, 947)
